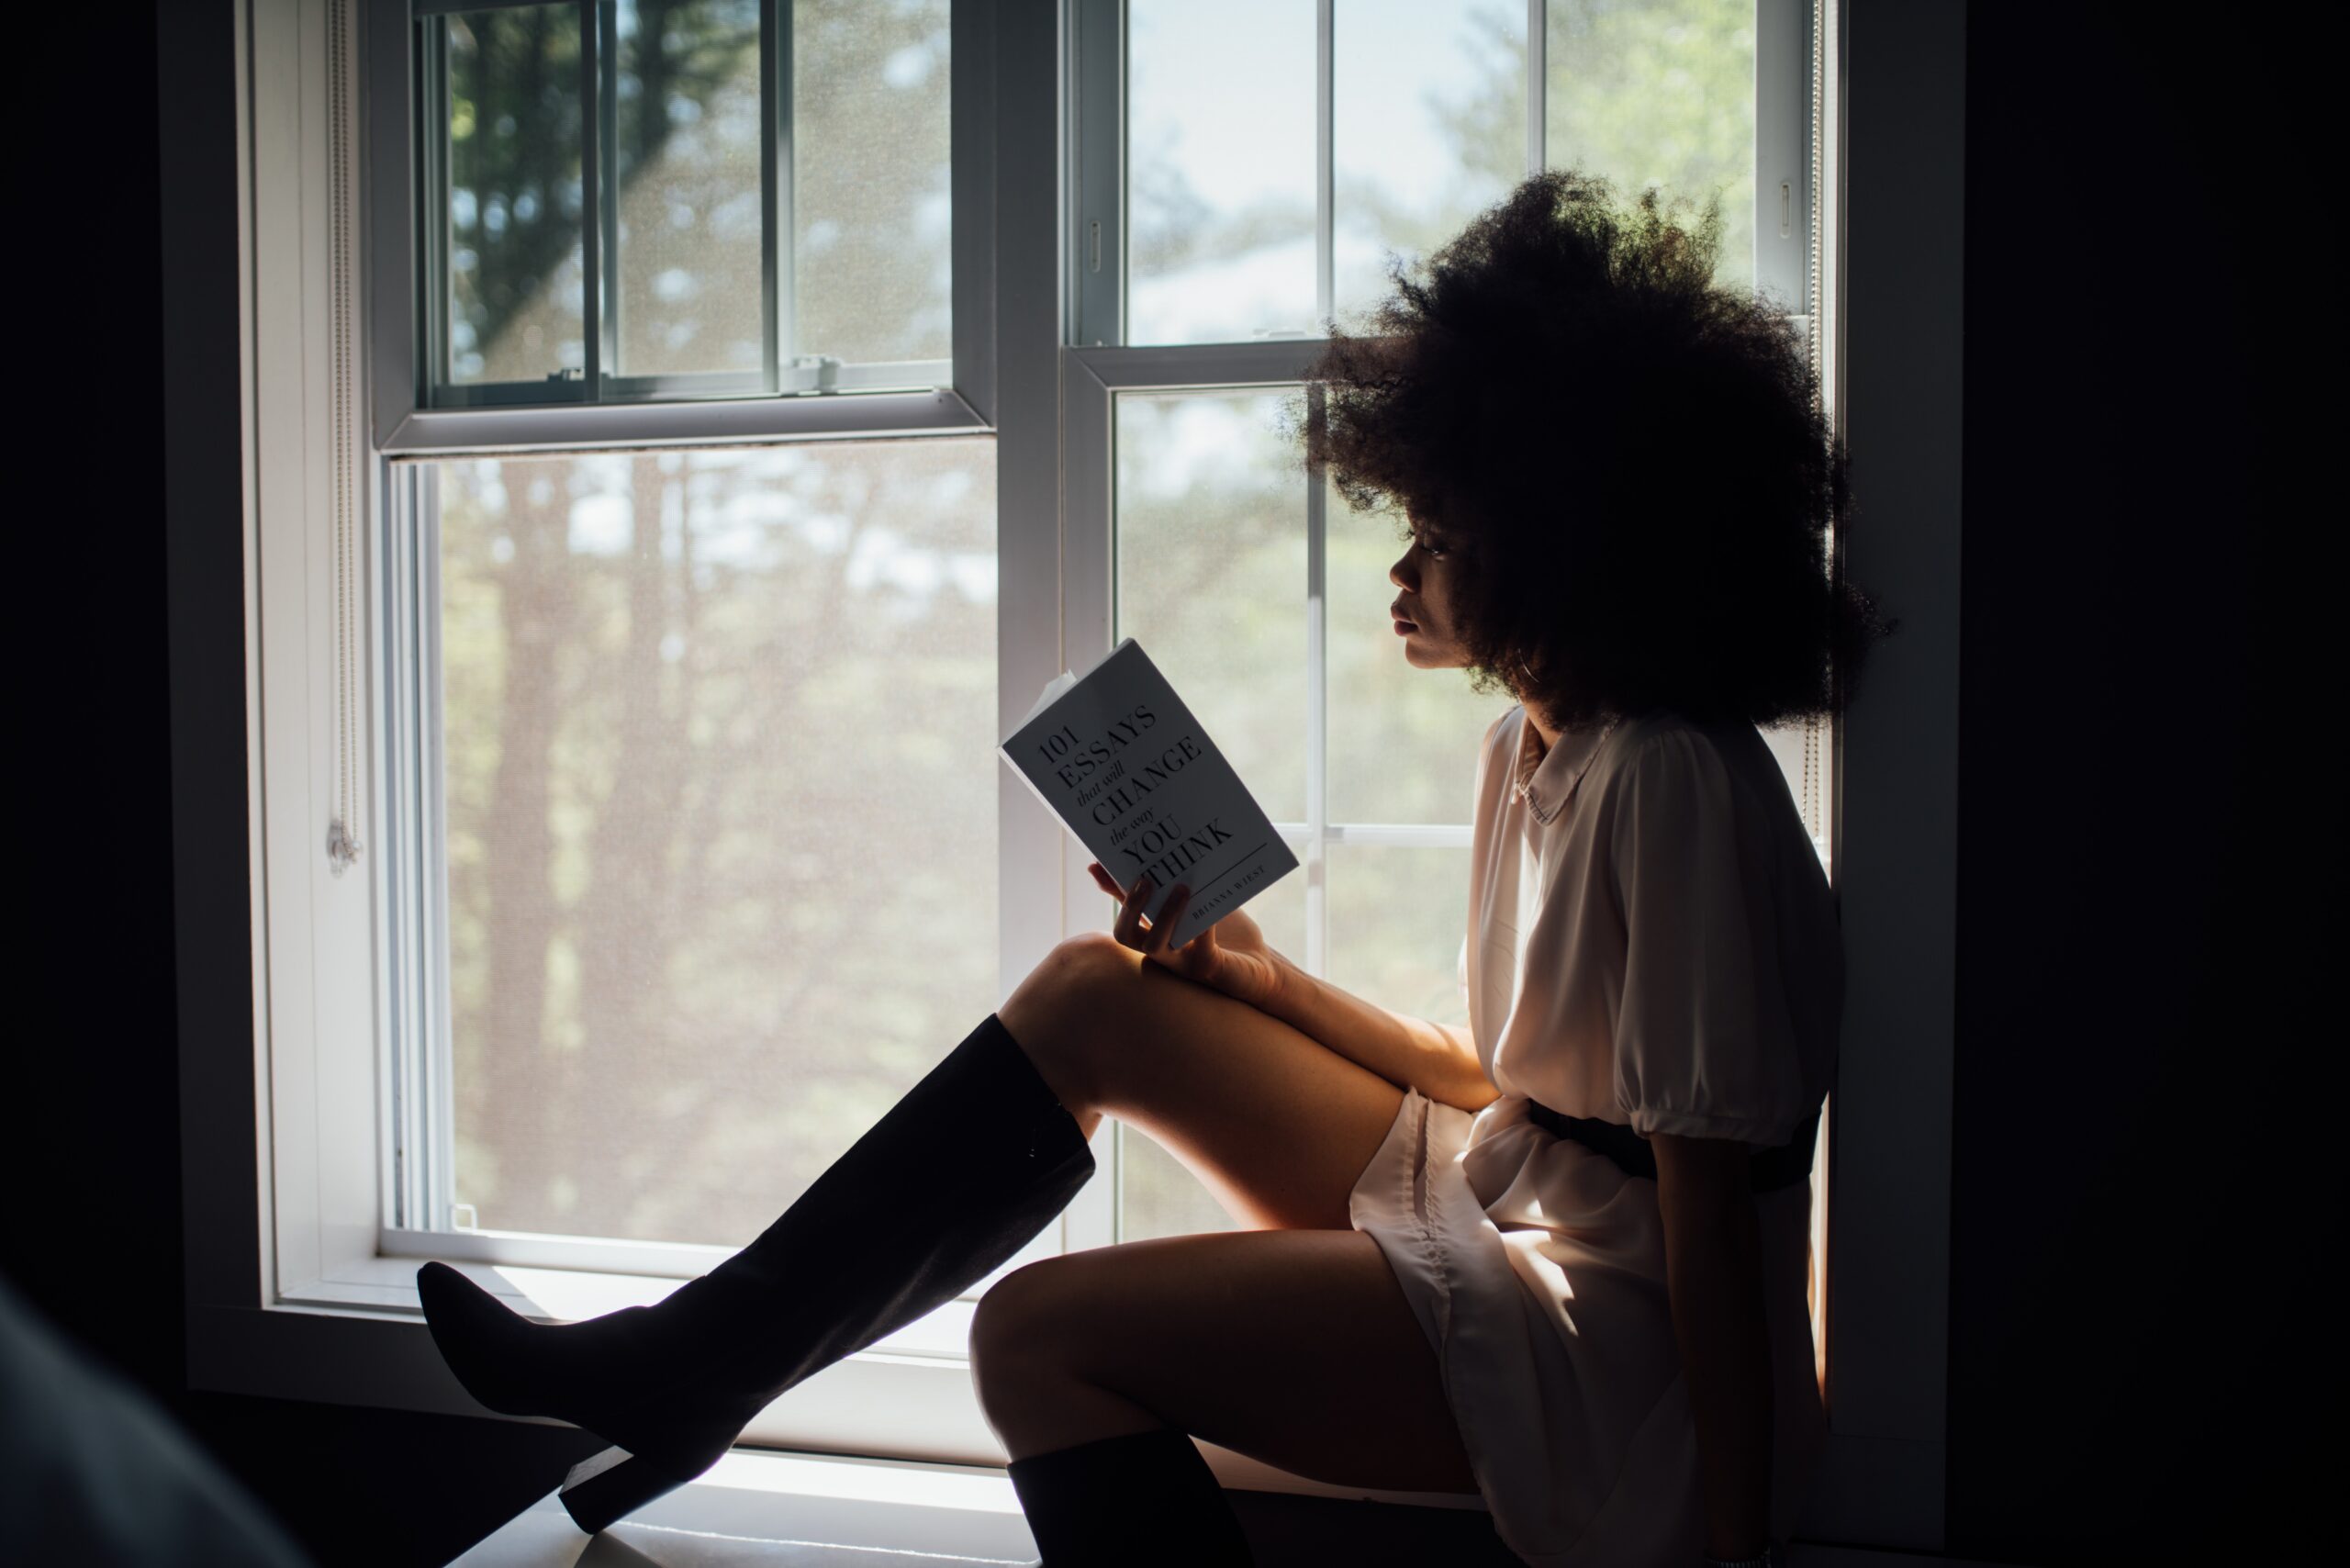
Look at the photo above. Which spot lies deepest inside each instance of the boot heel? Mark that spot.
(615, 1483)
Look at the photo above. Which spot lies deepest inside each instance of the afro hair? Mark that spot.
(1629, 464)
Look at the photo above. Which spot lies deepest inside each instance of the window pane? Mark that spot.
(1156, 1195)
(1403, 740)
(515, 277)
(1219, 169)
(697, 943)
(1397, 918)
(872, 274)
(1210, 545)
(686, 83)
(1427, 127)
(1659, 93)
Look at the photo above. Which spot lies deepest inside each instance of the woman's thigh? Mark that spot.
(1293, 1347)
(1272, 1121)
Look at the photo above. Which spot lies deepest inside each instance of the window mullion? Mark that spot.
(1538, 85)
(1325, 216)
(775, 188)
(1782, 150)
(431, 337)
(603, 312)
(433, 837)
(1098, 245)
(591, 260)
(410, 1111)
(1318, 736)
(416, 851)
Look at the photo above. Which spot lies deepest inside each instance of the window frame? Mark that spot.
(286, 1293)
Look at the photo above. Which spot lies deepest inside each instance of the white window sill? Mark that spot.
(886, 1512)
(798, 1508)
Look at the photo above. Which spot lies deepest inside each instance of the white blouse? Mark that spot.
(1652, 941)
(1675, 932)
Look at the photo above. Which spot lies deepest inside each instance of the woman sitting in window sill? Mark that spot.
(1557, 1258)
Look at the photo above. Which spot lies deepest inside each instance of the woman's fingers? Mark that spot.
(1162, 926)
(1176, 905)
(1129, 929)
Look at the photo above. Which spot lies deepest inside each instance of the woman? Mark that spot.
(1478, 1260)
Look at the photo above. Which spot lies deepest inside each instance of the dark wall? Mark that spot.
(93, 1147)
(2140, 1115)
(2135, 1171)
(90, 1160)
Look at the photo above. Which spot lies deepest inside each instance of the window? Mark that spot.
(631, 389)
(737, 196)
(659, 911)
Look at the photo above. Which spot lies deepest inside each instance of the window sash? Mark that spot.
(780, 372)
(1096, 237)
(422, 1217)
(795, 397)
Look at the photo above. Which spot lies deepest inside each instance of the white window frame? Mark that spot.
(285, 1089)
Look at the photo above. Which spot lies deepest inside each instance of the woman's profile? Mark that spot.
(1557, 1258)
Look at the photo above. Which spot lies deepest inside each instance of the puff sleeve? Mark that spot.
(1704, 1043)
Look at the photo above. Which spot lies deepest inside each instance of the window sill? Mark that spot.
(876, 1508)
(359, 1337)
(923, 1511)
(897, 1512)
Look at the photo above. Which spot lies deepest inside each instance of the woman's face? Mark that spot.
(1424, 573)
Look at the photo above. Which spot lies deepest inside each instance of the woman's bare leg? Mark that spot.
(1295, 1347)
(1290, 1342)
(1274, 1123)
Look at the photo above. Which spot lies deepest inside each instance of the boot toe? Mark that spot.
(478, 1335)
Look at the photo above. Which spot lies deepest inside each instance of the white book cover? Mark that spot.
(1115, 755)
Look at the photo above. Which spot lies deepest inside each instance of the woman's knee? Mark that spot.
(1051, 1011)
(1012, 1328)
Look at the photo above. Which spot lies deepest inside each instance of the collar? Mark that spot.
(1547, 780)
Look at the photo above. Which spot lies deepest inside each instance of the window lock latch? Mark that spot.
(827, 369)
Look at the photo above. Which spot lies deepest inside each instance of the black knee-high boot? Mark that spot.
(1141, 1500)
(975, 1159)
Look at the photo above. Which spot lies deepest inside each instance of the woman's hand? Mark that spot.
(1229, 955)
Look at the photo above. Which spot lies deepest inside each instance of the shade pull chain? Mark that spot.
(343, 847)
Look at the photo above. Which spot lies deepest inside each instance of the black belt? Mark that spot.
(1772, 1167)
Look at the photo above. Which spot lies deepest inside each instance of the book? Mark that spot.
(1117, 756)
